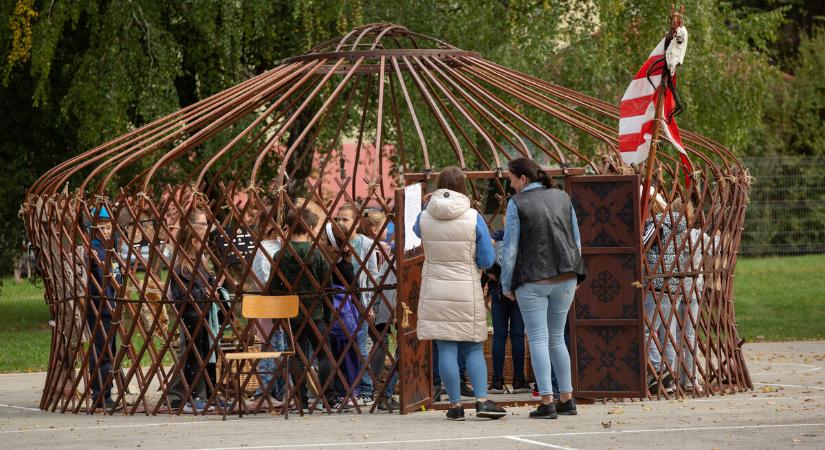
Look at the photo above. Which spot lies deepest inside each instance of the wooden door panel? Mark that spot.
(606, 322)
(415, 374)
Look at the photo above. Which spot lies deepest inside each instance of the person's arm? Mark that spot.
(323, 268)
(485, 255)
(417, 226)
(372, 260)
(575, 225)
(512, 230)
(261, 267)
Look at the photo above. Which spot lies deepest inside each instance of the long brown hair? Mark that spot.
(452, 178)
(185, 245)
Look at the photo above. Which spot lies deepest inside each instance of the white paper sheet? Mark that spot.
(412, 207)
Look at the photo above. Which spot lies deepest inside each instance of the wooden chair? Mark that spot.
(282, 307)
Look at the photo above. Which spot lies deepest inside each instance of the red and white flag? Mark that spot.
(637, 113)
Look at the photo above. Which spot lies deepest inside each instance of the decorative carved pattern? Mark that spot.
(605, 286)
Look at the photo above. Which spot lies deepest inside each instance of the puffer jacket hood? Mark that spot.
(446, 204)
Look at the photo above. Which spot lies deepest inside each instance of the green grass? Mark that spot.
(25, 334)
(781, 299)
(776, 298)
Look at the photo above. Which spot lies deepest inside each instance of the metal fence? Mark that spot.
(786, 214)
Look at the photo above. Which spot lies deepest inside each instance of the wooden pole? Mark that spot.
(676, 21)
(654, 146)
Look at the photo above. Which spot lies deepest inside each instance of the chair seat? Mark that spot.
(255, 355)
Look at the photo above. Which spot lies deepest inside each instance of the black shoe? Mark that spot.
(666, 382)
(567, 408)
(520, 387)
(489, 410)
(544, 412)
(456, 413)
(439, 391)
(496, 387)
(466, 390)
(388, 404)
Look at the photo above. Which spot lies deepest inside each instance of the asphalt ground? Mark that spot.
(785, 410)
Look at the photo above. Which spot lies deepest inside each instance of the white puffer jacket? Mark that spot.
(451, 302)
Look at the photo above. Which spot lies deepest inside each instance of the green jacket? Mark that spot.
(301, 281)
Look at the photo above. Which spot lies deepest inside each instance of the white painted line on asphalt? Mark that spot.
(671, 430)
(13, 374)
(793, 386)
(523, 436)
(20, 407)
(541, 444)
(810, 368)
(103, 427)
(713, 400)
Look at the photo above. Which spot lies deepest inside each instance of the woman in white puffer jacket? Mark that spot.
(451, 311)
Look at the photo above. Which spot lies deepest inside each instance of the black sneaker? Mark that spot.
(466, 390)
(388, 404)
(670, 385)
(439, 391)
(456, 413)
(544, 412)
(567, 408)
(666, 382)
(496, 387)
(488, 409)
(520, 387)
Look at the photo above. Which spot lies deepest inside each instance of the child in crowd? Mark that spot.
(102, 294)
(363, 252)
(192, 285)
(384, 305)
(271, 389)
(346, 315)
(302, 269)
(507, 321)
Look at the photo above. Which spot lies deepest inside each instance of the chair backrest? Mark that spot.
(269, 306)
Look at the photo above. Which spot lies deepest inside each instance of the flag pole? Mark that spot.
(675, 22)
(654, 146)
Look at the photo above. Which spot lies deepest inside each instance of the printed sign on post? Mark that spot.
(412, 207)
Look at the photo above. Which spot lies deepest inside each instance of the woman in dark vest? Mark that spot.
(542, 264)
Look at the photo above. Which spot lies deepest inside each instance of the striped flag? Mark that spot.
(637, 112)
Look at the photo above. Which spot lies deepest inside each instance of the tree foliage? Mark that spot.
(78, 73)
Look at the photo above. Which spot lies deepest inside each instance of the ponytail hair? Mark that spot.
(531, 170)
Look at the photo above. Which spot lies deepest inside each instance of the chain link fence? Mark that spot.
(786, 214)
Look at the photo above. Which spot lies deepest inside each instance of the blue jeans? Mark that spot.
(566, 344)
(267, 368)
(473, 352)
(361, 339)
(544, 308)
(507, 320)
(660, 324)
(462, 366)
(689, 313)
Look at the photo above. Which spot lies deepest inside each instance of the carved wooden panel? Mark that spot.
(606, 321)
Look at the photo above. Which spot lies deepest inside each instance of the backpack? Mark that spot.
(348, 313)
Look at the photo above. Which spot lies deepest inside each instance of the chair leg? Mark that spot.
(285, 405)
(238, 389)
(226, 399)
